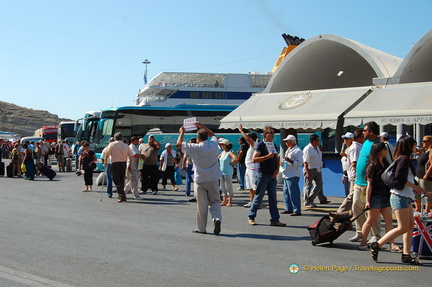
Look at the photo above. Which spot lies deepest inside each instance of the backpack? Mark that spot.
(59, 149)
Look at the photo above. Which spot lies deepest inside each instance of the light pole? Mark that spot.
(146, 62)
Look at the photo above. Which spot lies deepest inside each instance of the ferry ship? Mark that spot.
(170, 89)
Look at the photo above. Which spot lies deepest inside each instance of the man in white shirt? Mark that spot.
(204, 156)
(251, 168)
(354, 142)
(313, 184)
(132, 184)
(290, 168)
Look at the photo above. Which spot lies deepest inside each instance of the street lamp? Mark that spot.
(146, 62)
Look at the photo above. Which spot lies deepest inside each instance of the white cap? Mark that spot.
(348, 135)
(290, 138)
(384, 135)
(167, 145)
(220, 140)
(225, 142)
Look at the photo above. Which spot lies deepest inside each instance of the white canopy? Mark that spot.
(299, 110)
(396, 104)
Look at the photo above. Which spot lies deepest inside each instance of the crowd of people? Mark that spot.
(209, 163)
(26, 156)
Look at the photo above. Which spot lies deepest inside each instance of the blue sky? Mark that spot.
(69, 57)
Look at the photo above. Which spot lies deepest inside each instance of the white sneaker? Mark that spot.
(358, 237)
(374, 239)
(138, 197)
(248, 205)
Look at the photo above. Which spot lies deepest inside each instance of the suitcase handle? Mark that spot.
(360, 214)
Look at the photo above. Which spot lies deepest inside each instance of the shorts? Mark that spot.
(379, 202)
(399, 202)
(427, 186)
(251, 178)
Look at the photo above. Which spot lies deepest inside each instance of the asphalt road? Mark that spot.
(52, 234)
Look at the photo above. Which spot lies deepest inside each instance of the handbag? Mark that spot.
(177, 176)
(23, 167)
(389, 176)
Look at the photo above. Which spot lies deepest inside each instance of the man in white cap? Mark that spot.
(290, 168)
(353, 142)
(384, 136)
(348, 138)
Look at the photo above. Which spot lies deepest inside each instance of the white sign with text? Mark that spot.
(189, 124)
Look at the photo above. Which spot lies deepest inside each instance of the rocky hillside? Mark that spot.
(25, 121)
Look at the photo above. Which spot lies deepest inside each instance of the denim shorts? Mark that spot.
(399, 202)
(379, 202)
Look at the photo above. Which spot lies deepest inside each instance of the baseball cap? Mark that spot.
(384, 135)
(290, 138)
(348, 135)
(167, 145)
(225, 142)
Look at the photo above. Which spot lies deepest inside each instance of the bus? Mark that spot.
(86, 126)
(140, 120)
(66, 131)
(163, 122)
(49, 133)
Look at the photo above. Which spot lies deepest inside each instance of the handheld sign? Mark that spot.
(189, 124)
(271, 147)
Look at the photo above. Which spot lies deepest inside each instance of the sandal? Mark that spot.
(396, 249)
(407, 259)
(374, 247)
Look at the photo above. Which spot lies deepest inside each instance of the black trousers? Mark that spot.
(168, 173)
(149, 177)
(118, 175)
(88, 177)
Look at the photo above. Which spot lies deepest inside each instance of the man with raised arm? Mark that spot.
(204, 154)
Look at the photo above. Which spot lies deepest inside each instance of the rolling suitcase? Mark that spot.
(330, 227)
(2, 168)
(48, 172)
(9, 170)
(422, 235)
(69, 164)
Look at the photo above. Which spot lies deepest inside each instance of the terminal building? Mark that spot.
(330, 85)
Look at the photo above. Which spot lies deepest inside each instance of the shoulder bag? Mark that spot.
(389, 176)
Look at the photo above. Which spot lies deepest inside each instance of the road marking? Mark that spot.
(28, 279)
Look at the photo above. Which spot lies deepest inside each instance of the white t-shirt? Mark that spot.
(313, 157)
(248, 160)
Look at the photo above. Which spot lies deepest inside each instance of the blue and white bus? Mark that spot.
(86, 126)
(162, 122)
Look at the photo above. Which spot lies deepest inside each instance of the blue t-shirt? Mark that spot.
(362, 162)
(225, 164)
